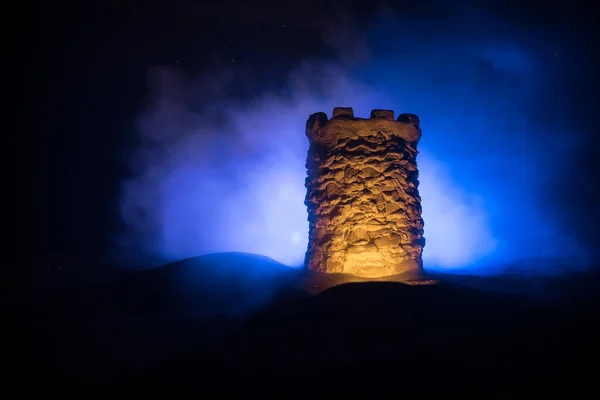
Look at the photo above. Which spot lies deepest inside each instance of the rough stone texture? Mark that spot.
(364, 208)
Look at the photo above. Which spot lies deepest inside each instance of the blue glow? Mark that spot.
(230, 177)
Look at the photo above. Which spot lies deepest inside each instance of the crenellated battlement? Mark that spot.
(343, 112)
(343, 123)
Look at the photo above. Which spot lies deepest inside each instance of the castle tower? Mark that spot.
(363, 202)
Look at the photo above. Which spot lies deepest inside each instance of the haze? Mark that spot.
(213, 173)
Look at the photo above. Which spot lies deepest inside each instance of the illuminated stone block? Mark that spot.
(364, 209)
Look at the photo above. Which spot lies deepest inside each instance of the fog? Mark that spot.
(213, 173)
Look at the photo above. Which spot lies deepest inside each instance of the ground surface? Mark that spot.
(240, 317)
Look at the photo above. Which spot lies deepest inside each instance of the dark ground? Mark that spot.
(207, 323)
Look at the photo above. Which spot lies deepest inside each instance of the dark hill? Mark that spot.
(233, 317)
(94, 330)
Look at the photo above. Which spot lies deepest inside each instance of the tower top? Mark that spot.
(343, 123)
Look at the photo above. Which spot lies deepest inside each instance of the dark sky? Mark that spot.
(84, 76)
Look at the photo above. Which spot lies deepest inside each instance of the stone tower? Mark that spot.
(363, 202)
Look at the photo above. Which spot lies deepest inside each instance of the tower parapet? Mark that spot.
(363, 202)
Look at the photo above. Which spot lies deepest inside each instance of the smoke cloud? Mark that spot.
(213, 173)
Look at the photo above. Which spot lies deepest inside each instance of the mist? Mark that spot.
(213, 173)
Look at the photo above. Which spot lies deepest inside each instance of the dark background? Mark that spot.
(83, 67)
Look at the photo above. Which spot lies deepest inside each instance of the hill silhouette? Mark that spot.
(248, 318)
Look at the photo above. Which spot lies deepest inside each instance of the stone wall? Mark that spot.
(364, 208)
